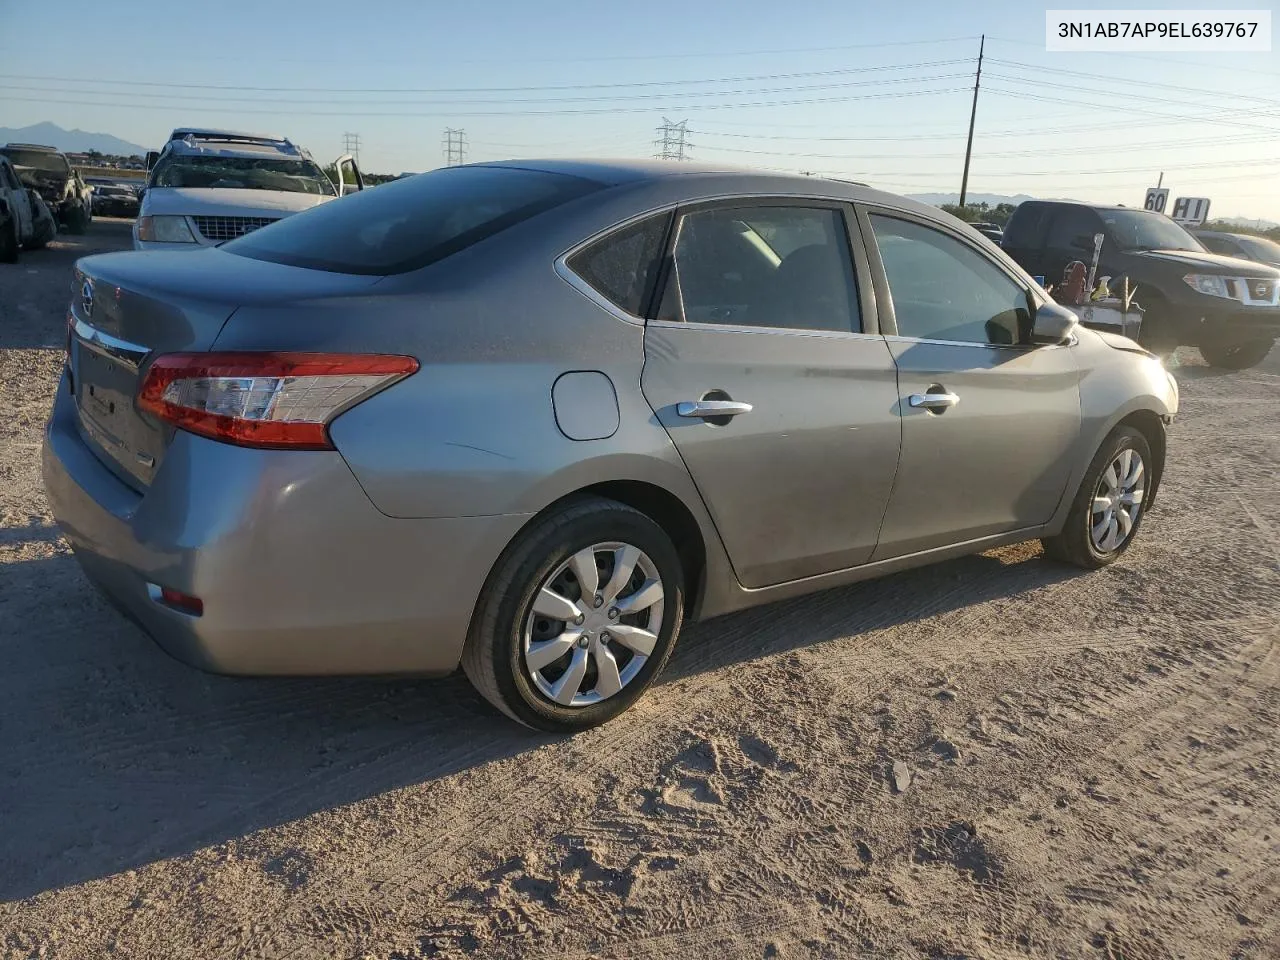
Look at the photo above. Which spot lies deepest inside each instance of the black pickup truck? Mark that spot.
(1227, 307)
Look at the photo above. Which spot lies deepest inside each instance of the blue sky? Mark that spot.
(876, 92)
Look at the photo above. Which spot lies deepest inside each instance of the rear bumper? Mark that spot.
(298, 572)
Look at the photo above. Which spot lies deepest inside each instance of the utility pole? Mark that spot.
(973, 115)
(351, 145)
(672, 140)
(455, 147)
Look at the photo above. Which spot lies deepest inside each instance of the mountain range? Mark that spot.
(70, 141)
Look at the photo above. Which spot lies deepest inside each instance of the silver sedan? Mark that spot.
(529, 417)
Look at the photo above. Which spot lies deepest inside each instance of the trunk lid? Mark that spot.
(127, 308)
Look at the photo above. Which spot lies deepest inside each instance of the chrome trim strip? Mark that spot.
(130, 354)
(785, 331)
(895, 338)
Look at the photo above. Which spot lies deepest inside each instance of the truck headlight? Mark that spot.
(1213, 286)
(165, 230)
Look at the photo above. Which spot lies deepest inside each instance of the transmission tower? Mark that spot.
(673, 140)
(455, 147)
(351, 145)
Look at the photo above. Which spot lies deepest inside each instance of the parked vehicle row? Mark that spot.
(209, 186)
(1227, 306)
(530, 417)
(48, 173)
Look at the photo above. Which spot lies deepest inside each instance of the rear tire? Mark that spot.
(511, 645)
(1089, 538)
(9, 241)
(1236, 356)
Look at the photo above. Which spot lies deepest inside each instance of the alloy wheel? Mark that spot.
(1117, 501)
(593, 624)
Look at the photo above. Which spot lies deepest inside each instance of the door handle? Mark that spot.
(708, 409)
(934, 402)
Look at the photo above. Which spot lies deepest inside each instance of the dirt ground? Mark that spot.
(1087, 765)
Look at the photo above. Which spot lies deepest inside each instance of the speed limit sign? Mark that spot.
(1157, 197)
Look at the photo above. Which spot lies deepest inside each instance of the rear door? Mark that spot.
(989, 422)
(766, 368)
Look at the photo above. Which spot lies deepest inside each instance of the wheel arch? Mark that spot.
(1151, 425)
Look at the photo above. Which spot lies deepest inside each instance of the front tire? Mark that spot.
(1109, 506)
(578, 617)
(77, 220)
(1159, 330)
(1236, 356)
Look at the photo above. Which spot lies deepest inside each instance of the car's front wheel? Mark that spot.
(1108, 508)
(578, 616)
(1236, 356)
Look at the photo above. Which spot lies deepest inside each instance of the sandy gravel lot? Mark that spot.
(1093, 759)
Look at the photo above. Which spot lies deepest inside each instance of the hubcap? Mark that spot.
(1117, 501)
(593, 624)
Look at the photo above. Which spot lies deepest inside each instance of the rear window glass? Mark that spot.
(410, 223)
(622, 266)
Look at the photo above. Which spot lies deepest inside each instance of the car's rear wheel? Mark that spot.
(1236, 356)
(1108, 508)
(578, 616)
(9, 240)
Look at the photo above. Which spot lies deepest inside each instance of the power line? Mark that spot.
(455, 147)
(594, 111)
(672, 140)
(1113, 80)
(506, 101)
(516, 89)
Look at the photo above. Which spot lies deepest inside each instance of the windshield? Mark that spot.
(1138, 230)
(1261, 248)
(244, 173)
(37, 159)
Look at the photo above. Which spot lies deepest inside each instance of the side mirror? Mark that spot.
(152, 157)
(1053, 324)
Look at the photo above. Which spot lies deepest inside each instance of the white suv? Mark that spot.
(207, 186)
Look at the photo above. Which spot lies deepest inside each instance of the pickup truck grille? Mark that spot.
(217, 229)
(1262, 289)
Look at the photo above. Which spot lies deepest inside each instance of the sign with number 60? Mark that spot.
(1157, 197)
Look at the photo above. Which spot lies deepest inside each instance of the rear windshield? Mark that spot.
(410, 223)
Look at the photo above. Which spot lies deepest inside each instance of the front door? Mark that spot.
(766, 369)
(989, 421)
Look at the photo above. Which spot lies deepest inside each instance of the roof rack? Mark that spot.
(226, 136)
(33, 146)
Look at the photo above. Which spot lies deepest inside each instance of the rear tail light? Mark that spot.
(275, 400)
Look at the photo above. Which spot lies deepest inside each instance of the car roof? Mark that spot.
(32, 146)
(190, 142)
(746, 179)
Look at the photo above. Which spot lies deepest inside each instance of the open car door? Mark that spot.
(349, 177)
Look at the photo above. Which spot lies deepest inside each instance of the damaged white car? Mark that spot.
(207, 186)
